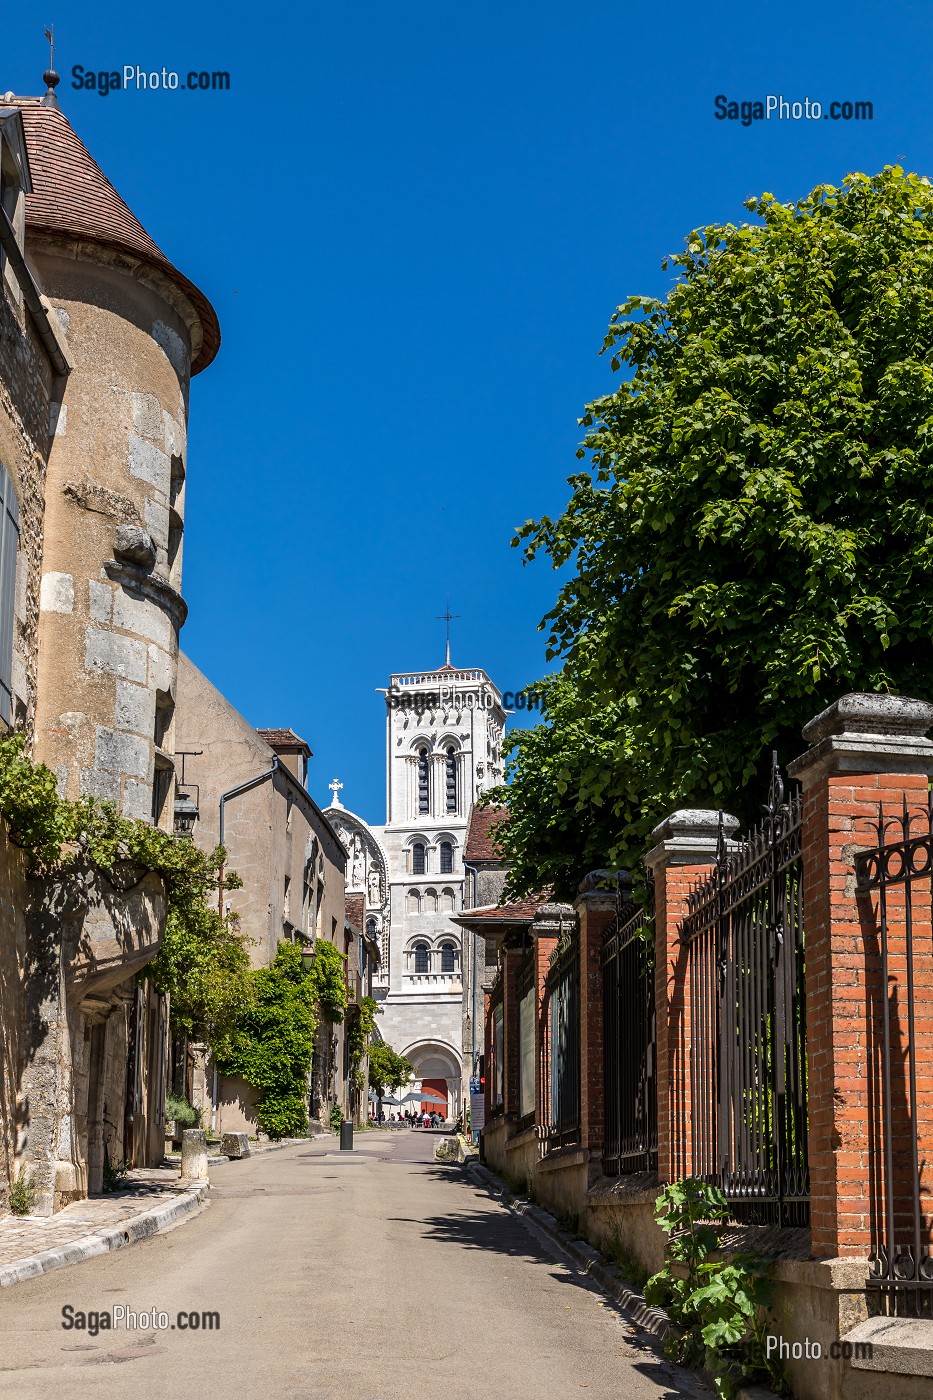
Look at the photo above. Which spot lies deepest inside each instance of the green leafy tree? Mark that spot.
(387, 1069)
(273, 1040)
(753, 535)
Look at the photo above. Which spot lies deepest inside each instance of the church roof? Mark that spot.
(480, 842)
(71, 196)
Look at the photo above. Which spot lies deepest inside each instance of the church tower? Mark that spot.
(444, 738)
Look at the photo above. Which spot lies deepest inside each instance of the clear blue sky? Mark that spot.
(414, 222)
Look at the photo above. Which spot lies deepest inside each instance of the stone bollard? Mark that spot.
(234, 1145)
(194, 1154)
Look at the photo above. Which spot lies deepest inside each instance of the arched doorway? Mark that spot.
(437, 1068)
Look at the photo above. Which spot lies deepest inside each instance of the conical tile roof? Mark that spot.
(73, 197)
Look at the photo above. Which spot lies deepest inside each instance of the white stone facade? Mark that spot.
(444, 738)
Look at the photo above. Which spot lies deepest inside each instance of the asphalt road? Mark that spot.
(372, 1275)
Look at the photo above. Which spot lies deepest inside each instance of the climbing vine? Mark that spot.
(202, 962)
(358, 1033)
(273, 1041)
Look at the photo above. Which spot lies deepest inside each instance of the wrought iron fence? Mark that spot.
(559, 1051)
(631, 1102)
(496, 1066)
(898, 943)
(744, 939)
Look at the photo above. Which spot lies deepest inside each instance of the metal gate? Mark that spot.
(630, 1087)
(745, 945)
(898, 942)
(559, 1077)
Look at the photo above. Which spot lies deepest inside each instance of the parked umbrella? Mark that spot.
(430, 1096)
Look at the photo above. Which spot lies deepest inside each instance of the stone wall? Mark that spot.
(111, 569)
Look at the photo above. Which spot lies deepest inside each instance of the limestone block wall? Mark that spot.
(111, 567)
(27, 419)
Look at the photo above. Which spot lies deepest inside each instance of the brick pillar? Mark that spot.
(684, 849)
(545, 930)
(865, 750)
(510, 961)
(488, 1087)
(596, 906)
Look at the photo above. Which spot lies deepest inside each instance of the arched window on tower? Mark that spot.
(424, 804)
(417, 858)
(414, 902)
(448, 957)
(450, 771)
(421, 958)
(447, 857)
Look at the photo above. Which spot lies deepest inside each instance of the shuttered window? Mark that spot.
(9, 543)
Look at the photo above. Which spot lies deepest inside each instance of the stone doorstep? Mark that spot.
(606, 1276)
(901, 1346)
(187, 1201)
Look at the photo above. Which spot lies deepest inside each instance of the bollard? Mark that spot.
(194, 1154)
(346, 1137)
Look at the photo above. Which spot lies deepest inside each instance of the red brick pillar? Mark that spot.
(596, 906)
(684, 849)
(866, 751)
(510, 961)
(546, 929)
(488, 1086)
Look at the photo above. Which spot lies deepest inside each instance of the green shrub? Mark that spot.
(184, 1113)
(22, 1193)
(336, 1117)
(719, 1303)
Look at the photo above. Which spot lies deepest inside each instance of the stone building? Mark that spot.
(444, 737)
(248, 789)
(99, 337)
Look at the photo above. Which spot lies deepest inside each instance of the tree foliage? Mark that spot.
(388, 1070)
(753, 535)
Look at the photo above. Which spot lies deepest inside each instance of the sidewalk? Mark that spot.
(154, 1199)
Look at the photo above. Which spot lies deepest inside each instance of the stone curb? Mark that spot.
(254, 1151)
(606, 1276)
(141, 1227)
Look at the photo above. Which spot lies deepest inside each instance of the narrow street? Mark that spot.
(376, 1275)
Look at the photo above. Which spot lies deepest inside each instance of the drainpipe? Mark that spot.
(224, 798)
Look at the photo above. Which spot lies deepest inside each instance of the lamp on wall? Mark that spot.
(185, 814)
(308, 954)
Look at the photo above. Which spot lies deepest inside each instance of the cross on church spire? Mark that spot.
(335, 787)
(448, 617)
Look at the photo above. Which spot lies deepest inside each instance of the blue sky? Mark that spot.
(414, 222)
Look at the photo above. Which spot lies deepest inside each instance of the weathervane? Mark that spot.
(448, 617)
(50, 77)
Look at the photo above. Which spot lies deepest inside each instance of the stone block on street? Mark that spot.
(234, 1145)
(194, 1154)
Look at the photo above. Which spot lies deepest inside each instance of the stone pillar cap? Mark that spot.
(871, 713)
(551, 916)
(689, 835)
(867, 733)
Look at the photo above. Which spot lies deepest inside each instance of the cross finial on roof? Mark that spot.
(335, 787)
(447, 617)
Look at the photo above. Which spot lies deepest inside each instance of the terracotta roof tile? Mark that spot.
(72, 196)
(480, 839)
(519, 911)
(285, 739)
(354, 910)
